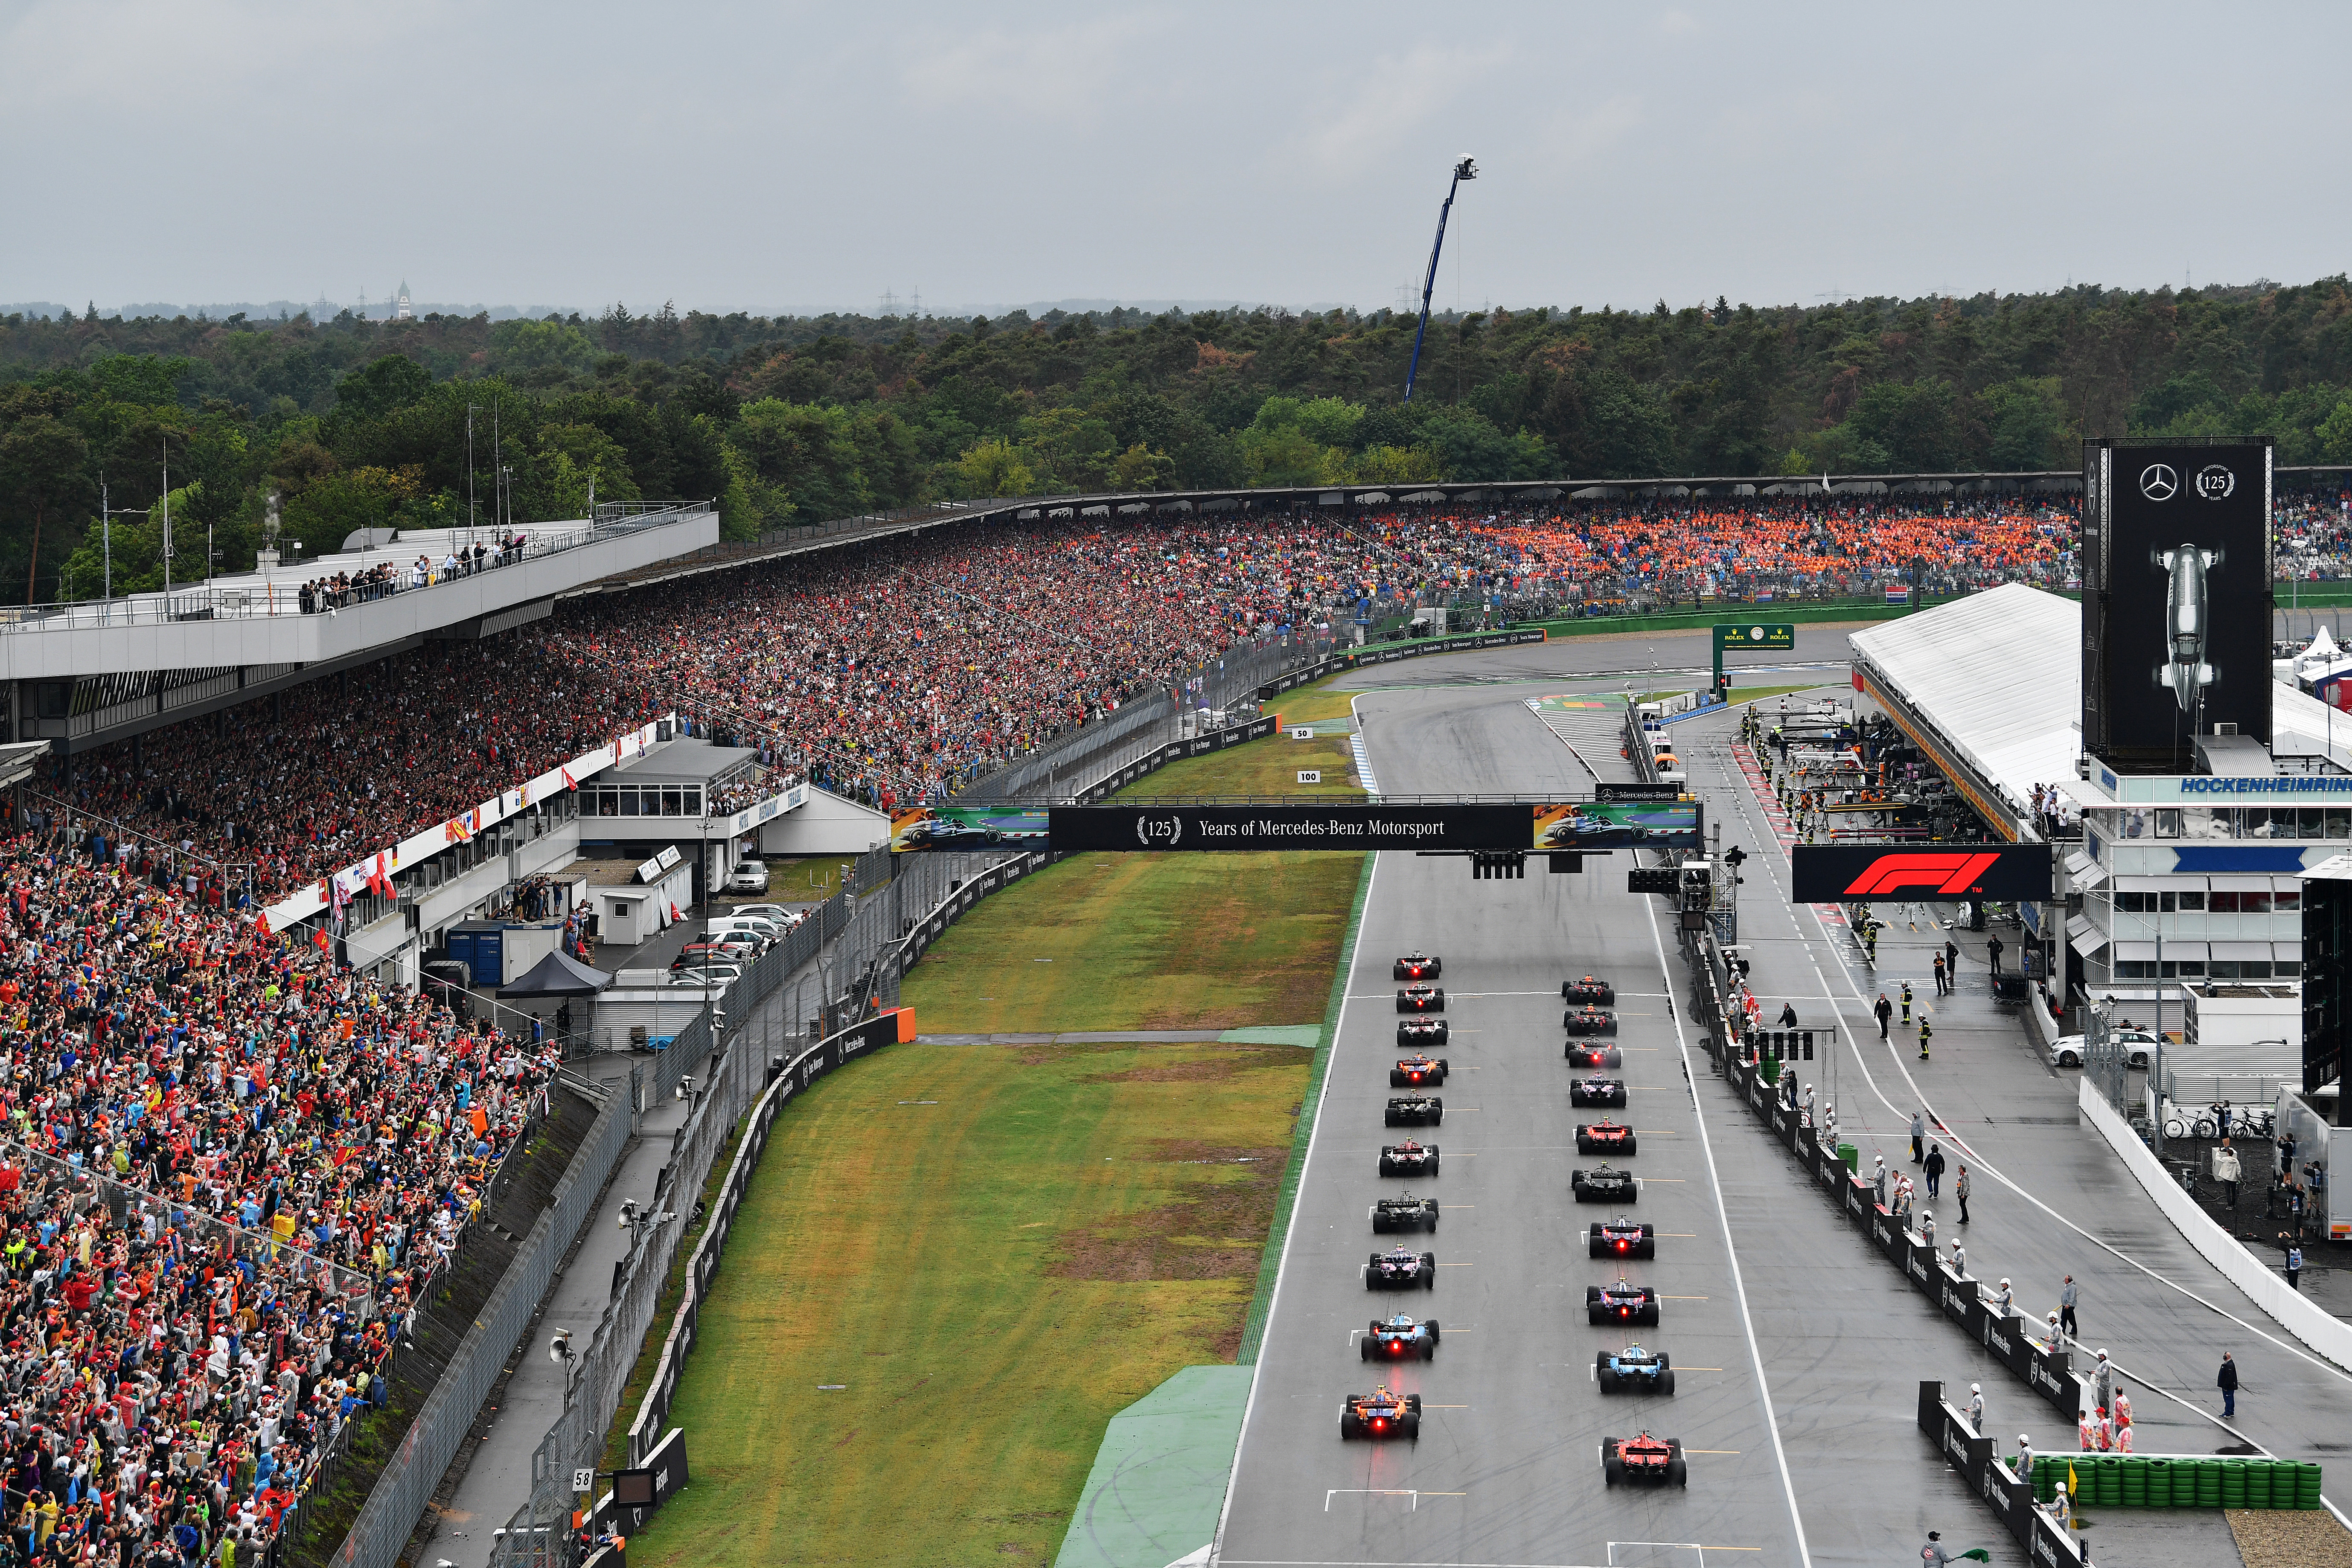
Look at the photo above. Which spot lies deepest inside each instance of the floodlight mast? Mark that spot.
(1464, 170)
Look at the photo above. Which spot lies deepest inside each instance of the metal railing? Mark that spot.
(380, 1533)
(854, 942)
(258, 599)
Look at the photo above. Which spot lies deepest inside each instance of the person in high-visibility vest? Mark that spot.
(1925, 1031)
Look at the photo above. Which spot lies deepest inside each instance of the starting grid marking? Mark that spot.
(1389, 1492)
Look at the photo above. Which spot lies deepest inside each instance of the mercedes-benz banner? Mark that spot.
(2176, 600)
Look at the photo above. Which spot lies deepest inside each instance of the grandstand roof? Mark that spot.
(1993, 682)
(254, 620)
(682, 762)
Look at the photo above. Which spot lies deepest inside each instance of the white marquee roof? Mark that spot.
(1997, 677)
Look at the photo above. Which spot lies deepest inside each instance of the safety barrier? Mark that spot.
(2011, 1501)
(380, 1532)
(1358, 659)
(538, 1529)
(2297, 1313)
(2045, 1367)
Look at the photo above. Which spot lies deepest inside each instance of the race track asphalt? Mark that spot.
(1506, 1470)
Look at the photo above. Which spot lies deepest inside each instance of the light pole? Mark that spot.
(1463, 170)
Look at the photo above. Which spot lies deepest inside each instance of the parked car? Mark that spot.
(2069, 1051)
(749, 876)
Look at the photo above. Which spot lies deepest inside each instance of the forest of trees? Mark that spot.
(355, 423)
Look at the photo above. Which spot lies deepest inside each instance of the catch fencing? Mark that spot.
(832, 973)
(762, 1023)
(406, 1485)
(883, 941)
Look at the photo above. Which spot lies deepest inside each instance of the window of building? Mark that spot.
(2287, 899)
(2134, 969)
(2239, 903)
(2167, 824)
(628, 802)
(694, 801)
(673, 802)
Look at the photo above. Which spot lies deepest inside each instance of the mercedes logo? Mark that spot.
(2157, 481)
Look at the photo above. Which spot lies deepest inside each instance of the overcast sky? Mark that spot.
(799, 157)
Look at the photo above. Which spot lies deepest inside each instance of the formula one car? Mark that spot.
(1588, 1021)
(1597, 1090)
(1584, 1056)
(1409, 1159)
(1602, 1137)
(1398, 1337)
(1417, 1069)
(1657, 1461)
(1604, 1185)
(1402, 1269)
(1620, 1303)
(1380, 1414)
(1416, 965)
(1588, 991)
(1421, 1031)
(1414, 1111)
(1421, 997)
(1405, 1213)
(1621, 1238)
(1633, 1370)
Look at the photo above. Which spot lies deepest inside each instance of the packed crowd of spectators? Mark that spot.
(2313, 538)
(915, 664)
(305, 784)
(906, 669)
(227, 1172)
(1597, 558)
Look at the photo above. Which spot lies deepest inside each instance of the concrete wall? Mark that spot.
(2330, 1336)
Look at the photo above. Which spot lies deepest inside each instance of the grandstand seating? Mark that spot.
(229, 1173)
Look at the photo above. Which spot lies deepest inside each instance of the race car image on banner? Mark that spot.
(967, 827)
(1619, 824)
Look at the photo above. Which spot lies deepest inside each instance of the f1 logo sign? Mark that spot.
(1889, 874)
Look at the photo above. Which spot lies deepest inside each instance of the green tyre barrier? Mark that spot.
(1770, 1071)
(2306, 1487)
(2135, 1480)
(2048, 1473)
(2159, 1483)
(1850, 1156)
(2208, 1483)
(2107, 1482)
(2258, 1483)
(2233, 1483)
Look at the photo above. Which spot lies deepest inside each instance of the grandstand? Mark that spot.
(226, 874)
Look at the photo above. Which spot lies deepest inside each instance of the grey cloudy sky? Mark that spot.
(808, 157)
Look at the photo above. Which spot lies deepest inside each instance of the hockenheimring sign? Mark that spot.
(2159, 789)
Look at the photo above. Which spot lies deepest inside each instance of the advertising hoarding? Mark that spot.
(1829, 873)
(1620, 824)
(967, 827)
(2176, 598)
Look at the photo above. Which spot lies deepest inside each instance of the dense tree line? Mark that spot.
(351, 424)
